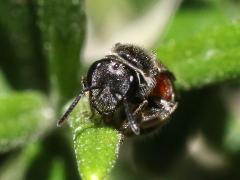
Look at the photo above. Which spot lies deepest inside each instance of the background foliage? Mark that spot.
(40, 66)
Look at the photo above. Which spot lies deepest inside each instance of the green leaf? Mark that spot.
(194, 20)
(15, 167)
(57, 172)
(96, 147)
(4, 85)
(23, 117)
(211, 56)
(21, 54)
(62, 23)
(231, 141)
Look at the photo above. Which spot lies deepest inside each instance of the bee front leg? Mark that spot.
(125, 128)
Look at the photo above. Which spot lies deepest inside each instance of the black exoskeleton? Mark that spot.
(131, 79)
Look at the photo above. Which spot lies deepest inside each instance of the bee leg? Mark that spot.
(158, 116)
(131, 119)
(84, 85)
(166, 108)
(93, 112)
(84, 81)
(140, 107)
(125, 128)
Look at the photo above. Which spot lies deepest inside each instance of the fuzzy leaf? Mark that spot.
(23, 118)
(210, 57)
(96, 147)
(21, 54)
(62, 23)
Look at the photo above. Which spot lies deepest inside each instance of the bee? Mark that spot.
(131, 89)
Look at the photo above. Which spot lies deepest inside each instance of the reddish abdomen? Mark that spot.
(163, 88)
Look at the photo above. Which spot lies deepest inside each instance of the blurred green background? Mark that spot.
(47, 45)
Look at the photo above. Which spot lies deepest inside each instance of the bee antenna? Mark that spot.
(73, 105)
